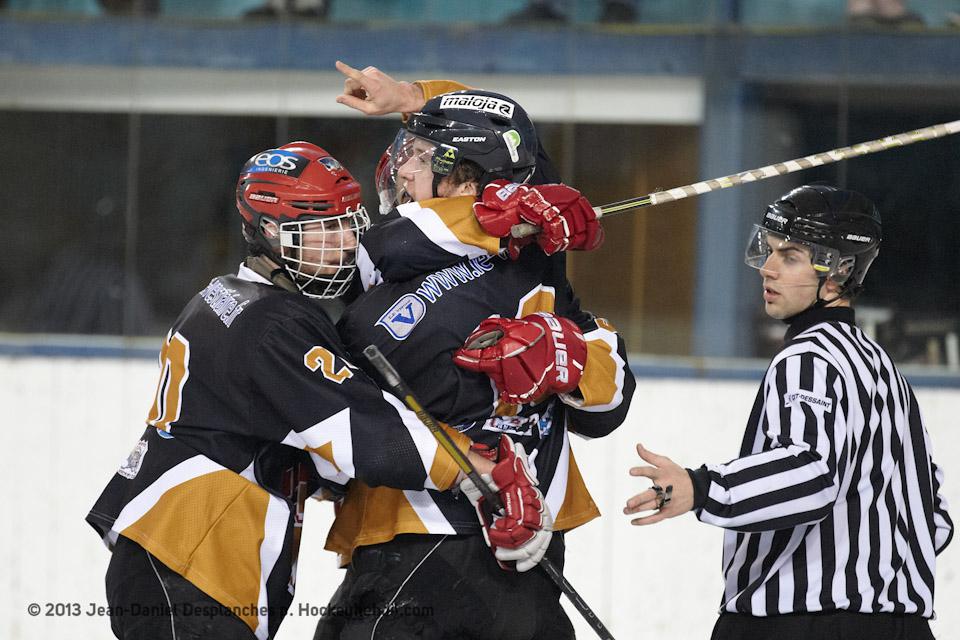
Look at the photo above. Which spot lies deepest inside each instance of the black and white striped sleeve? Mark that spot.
(793, 452)
(941, 517)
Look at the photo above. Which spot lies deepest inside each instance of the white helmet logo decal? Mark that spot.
(512, 138)
(477, 103)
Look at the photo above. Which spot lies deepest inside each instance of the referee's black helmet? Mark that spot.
(843, 220)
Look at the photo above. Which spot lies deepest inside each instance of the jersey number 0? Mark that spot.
(174, 371)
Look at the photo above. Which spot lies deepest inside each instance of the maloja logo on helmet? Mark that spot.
(478, 103)
(277, 161)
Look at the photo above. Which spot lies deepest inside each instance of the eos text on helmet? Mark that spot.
(303, 210)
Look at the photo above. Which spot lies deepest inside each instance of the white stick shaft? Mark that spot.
(790, 166)
(770, 171)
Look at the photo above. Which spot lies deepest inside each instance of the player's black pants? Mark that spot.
(149, 601)
(833, 625)
(432, 587)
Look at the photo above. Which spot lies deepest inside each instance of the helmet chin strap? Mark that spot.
(820, 302)
(272, 271)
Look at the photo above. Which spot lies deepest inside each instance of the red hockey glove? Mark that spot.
(566, 219)
(497, 208)
(522, 533)
(528, 357)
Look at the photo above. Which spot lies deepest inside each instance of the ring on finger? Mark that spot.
(660, 495)
(666, 497)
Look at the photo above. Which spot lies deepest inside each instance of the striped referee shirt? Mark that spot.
(834, 502)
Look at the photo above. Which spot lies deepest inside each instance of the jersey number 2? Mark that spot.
(174, 371)
(321, 358)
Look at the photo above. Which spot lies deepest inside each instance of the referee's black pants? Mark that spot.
(832, 625)
(432, 587)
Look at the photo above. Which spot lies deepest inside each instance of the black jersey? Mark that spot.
(258, 406)
(432, 277)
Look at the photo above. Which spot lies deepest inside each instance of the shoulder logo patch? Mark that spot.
(401, 318)
(131, 466)
(816, 402)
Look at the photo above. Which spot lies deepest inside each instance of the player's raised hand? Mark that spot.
(375, 93)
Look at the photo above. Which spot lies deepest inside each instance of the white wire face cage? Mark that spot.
(826, 261)
(320, 253)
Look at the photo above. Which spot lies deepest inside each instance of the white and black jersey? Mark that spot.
(432, 275)
(834, 502)
(257, 408)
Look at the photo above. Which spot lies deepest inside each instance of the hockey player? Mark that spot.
(258, 407)
(438, 275)
(833, 511)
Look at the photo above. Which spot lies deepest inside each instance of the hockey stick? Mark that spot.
(772, 170)
(400, 388)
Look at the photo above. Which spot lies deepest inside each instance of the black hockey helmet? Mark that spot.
(841, 227)
(486, 128)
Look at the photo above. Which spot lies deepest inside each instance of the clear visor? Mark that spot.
(409, 157)
(320, 253)
(826, 261)
(385, 179)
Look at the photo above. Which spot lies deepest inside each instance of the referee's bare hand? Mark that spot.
(663, 472)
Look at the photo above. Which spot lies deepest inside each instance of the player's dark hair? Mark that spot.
(467, 171)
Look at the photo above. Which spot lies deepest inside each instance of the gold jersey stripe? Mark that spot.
(540, 299)
(603, 323)
(371, 515)
(325, 451)
(457, 215)
(505, 409)
(578, 506)
(209, 529)
(434, 88)
(444, 470)
(598, 384)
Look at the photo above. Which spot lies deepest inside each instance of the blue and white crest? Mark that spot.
(403, 316)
